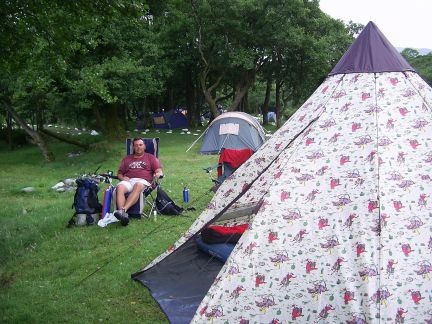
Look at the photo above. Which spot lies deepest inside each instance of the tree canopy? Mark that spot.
(100, 63)
(422, 63)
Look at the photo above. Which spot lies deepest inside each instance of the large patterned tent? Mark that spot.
(338, 207)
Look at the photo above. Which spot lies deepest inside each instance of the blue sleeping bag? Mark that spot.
(219, 251)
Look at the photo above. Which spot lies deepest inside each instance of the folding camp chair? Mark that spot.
(229, 161)
(145, 206)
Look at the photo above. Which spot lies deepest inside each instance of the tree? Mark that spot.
(21, 60)
(173, 26)
(115, 65)
(238, 41)
(303, 51)
(410, 53)
(94, 64)
(423, 65)
(80, 56)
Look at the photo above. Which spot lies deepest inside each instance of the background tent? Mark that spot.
(337, 204)
(170, 120)
(233, 130)
(271, 117)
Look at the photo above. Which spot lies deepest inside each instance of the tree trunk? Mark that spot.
(9, 129)
(35, 136)
(265, 105)
(111, 124)
(63, 139)
(278, 103)
(242, 87)
(212, 103)
(170, 104)
(245, 102)
(208, 92)
(193, 114)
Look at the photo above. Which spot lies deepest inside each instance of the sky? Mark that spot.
(405, 23)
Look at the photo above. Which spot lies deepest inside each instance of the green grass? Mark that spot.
(53, 274)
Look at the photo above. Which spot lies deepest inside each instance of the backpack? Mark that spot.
(165, 205)
(86, 202)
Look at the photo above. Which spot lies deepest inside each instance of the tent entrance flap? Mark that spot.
(179, 282)
(240, 211)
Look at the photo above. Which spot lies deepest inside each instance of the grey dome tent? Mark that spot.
(232, 130)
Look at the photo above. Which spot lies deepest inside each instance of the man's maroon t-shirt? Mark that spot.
(139, 167)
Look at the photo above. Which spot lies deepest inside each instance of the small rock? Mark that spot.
(69, 182)
(58, 185)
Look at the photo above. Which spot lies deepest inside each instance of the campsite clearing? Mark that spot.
(52, 274)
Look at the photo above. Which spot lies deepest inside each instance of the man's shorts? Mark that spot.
(129, 184)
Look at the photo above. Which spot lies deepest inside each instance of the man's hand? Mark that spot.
(158, 174)
(122, 177)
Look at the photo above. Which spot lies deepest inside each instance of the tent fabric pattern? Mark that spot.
(344, 236)
(343, 233)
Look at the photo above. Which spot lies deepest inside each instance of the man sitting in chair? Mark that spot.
(136, 172)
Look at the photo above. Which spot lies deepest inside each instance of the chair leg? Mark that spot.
(151, 203)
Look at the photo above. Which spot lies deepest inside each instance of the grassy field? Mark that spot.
(53, 274)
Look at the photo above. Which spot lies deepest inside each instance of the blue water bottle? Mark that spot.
(185, 194)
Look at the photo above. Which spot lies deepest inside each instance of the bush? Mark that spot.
(15, 138)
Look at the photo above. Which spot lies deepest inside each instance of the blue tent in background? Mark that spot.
(170, 120)
(271, 116)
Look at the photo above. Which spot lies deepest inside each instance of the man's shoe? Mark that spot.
(122, 216)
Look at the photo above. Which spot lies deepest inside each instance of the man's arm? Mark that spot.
(157, 167)
(121, 170)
